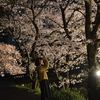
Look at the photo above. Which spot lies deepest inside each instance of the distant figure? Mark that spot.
(42, 69)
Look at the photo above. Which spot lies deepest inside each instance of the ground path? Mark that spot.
(13, 93)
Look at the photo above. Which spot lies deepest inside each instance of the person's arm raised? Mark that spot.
(46, 63)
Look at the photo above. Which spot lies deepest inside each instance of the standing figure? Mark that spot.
(42, 69)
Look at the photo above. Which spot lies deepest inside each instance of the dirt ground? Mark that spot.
(9, 92)
(12, 93)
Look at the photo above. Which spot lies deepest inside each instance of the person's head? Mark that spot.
(39, 61)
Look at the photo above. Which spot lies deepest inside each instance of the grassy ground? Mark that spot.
(10, 90)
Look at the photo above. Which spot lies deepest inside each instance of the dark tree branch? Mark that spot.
(64, 21)
(55, 31)
(81, 12)
(88, 19)
(44, 4)
(66, 5)
(32, 9)
(97, 20)
(55, 22)
(69, 19)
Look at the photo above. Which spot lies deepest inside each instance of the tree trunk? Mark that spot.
(36, 38)
(91, 82)
(91, 36)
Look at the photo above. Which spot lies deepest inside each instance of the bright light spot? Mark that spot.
(98, 73)
(22, 84)
(2, 74)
